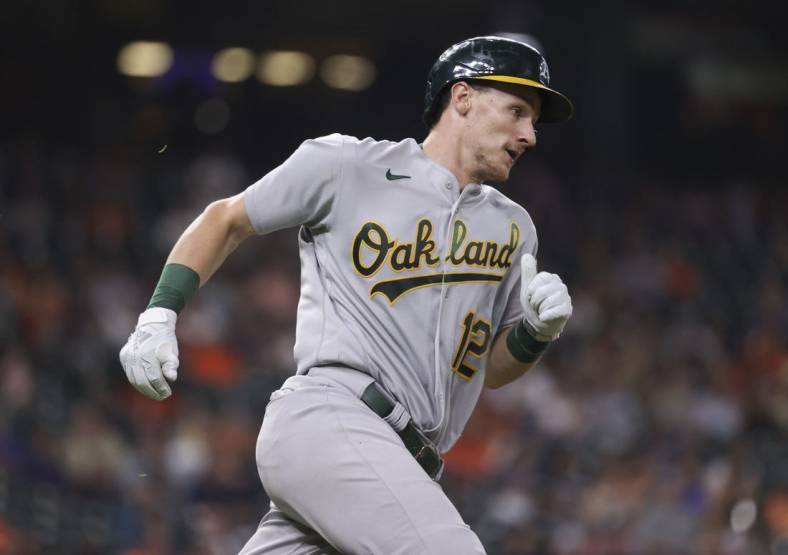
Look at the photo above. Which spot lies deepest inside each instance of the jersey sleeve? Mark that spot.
(301, 191)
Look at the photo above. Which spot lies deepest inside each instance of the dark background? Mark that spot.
(657, 425)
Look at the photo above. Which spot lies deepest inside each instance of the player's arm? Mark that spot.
(503, 368)
(300, 191)
(210, 238)
(547, 307)
(150, 356)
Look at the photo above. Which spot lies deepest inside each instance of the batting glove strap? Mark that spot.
(522, 344)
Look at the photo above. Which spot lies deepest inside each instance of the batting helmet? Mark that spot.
(495, 59)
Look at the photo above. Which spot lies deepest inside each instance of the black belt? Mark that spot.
(419, 445)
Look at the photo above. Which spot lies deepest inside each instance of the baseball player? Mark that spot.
(418, 287)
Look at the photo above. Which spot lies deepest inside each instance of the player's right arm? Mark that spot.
(150, 356)
(210, 238)
(301, 191)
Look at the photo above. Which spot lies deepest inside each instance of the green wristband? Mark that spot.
(177, 285)
(522, 345)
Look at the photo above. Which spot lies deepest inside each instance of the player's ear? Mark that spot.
(461, 97)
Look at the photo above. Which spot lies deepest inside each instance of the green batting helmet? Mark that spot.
(495, 59)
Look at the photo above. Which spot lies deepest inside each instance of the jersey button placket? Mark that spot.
(440, 378)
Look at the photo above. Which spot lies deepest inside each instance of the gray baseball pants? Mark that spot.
(340, 480)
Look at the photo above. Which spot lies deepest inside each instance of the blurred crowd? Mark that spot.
(657, 425)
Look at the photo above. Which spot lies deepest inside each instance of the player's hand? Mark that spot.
(150, 356)
(545, 299)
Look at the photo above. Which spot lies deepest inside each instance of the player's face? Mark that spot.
(500, 129)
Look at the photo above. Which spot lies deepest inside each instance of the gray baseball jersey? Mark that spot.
(403, 276)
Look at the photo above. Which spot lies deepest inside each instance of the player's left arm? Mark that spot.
(503, 368)
(547, 307)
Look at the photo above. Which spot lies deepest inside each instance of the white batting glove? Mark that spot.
(150, 356)
(545, 299)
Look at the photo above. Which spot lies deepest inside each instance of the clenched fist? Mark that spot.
(545, 299)
(150, 356)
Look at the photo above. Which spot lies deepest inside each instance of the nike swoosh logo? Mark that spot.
(392, 176)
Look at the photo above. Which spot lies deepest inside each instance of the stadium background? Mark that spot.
(659, 425)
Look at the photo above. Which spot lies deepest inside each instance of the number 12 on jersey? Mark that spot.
(475, 342)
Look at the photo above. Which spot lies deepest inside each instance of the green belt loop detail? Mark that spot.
(177, 285)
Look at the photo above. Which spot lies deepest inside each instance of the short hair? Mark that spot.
(441, 103)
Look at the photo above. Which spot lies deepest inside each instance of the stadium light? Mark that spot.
(350, 73)
(144, 59)
(233, 65)
(285, 68)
